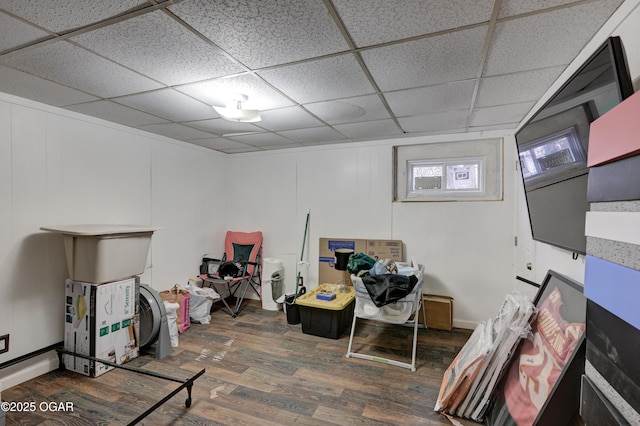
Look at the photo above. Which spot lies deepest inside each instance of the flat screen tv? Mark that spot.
(553, 144)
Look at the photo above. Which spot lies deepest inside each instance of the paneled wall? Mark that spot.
(61, 168)
(466, 247)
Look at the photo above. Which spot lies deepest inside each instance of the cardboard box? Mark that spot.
(439, 311)
(381, 249)
(101, 320)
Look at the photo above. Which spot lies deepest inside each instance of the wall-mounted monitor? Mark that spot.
(553, 147)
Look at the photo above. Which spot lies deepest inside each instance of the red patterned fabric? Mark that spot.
(532, 377)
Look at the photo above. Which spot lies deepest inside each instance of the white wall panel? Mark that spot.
(348, 190)
(55, 260)
(35, 297)
(467, 250)
(187, 192)
(106, 175)
(262, 197)
(6, 218)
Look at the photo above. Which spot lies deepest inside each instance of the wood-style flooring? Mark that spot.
(260, 370)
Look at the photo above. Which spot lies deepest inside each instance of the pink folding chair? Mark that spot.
(238, 270)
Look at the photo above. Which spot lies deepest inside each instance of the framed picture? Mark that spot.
(541, 383)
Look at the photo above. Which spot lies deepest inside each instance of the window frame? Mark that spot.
(487, 154)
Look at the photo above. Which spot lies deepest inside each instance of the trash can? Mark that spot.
(277, 286)
(272, 283)
(292, 309)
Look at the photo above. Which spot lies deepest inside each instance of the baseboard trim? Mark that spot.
(28, 369)
(469, 325)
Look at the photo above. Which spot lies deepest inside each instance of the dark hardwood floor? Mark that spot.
(260, 370)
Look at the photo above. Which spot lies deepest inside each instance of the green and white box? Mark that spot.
(101, 321)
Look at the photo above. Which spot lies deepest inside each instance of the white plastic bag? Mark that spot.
(172, 318)
(202, 291)
(200, 309)
(202, 299)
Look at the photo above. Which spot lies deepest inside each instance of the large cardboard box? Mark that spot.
(439, 311)
(382, 249)
(101, 320)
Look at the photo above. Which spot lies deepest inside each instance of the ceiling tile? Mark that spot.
(316, 134)
(159, 47)
(240, 149)
(264, 140)
(16, 32)
(169, 104)
(274, 147)
(117, 113)
(176, 131)
(287, 118)
(29, 86)
(73, 66)
(427, 100)
(435, 122)
(439, 59)
(222, 144)
(216, 92)
(321, 80)
(361, 108)
(546, 39)
(220, 126)
(262, 33)
(64, 15)
(380, 21)
(504, 126)
(369, 129)
(503, 114)
(518, 87)
(517, 7)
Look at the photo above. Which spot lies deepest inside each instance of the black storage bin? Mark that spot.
(327, 319)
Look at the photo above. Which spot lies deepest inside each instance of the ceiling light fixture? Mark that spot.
(234, 112)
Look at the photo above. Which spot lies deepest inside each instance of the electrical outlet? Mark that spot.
(4, 343)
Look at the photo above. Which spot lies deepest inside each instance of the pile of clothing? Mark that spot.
(385, 281)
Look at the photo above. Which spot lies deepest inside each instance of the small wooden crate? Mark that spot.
(439, 311)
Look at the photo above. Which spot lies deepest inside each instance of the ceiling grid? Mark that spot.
(319, 71)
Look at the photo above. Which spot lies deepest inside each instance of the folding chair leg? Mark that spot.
(240, 299)
(227, 293)
(255, 290)
(231, 311)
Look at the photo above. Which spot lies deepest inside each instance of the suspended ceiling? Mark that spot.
(320, 71)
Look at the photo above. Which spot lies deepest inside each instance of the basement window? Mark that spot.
(427, 172)
(450, 176)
